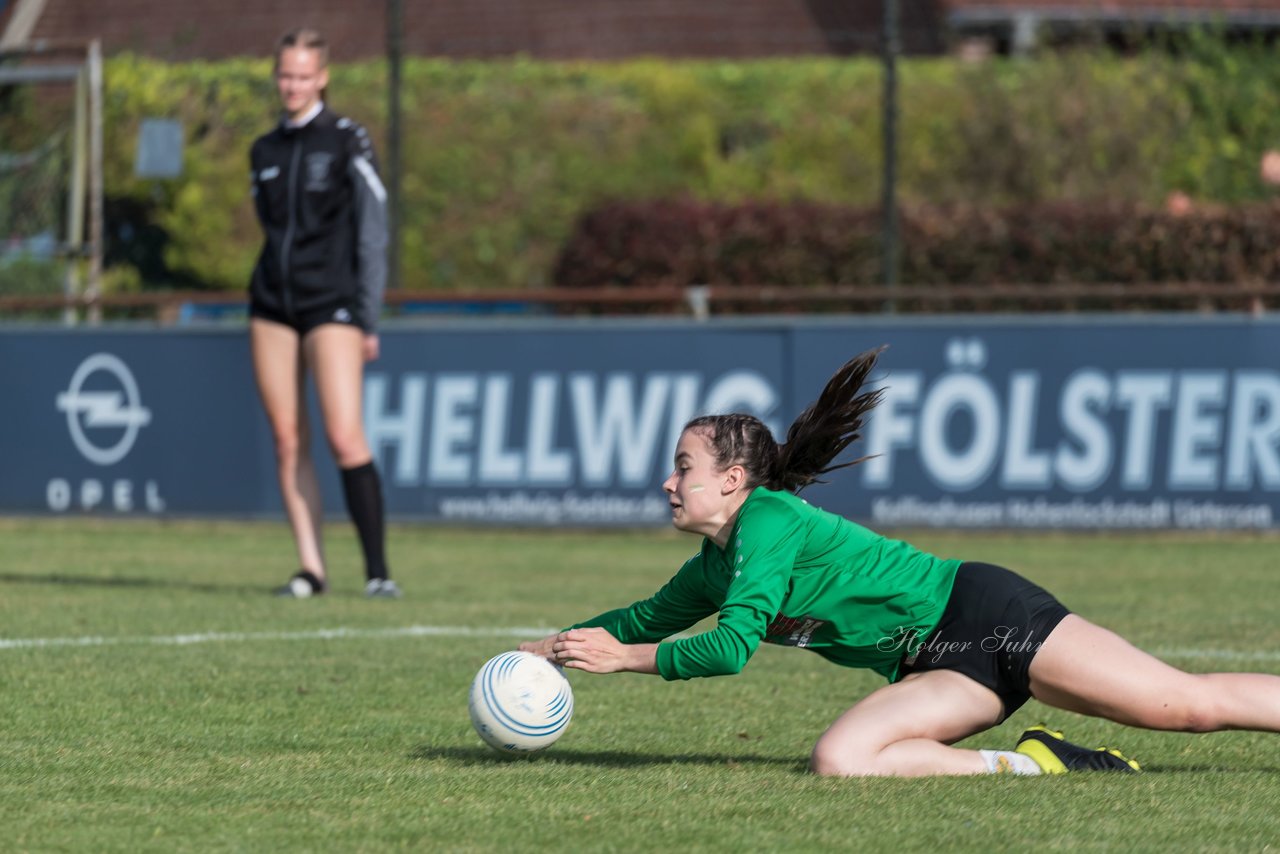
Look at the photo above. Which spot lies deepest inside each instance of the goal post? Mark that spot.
(51, 187)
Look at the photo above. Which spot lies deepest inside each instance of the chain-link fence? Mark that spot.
(34, 188)
(47, 171)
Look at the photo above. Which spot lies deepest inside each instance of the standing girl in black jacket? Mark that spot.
(314, 302)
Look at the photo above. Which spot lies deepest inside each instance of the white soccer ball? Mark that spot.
(300, 587)
(520, 702)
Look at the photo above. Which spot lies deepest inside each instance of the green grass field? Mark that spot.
(153, 697)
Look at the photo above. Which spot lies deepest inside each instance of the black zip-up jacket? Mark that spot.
(323, 211)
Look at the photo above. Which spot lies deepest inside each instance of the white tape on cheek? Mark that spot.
(697, 487)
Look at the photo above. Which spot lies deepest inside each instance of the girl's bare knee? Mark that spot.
(825, 761)
(349, 448)
(287, 445)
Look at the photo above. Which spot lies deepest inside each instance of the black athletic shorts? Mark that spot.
(338, 311)
(993, 625)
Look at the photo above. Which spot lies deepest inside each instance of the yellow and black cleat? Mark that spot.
(1056, 755)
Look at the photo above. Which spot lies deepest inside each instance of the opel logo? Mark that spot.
(95, 412)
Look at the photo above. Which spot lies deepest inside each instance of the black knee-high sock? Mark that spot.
(363, 490)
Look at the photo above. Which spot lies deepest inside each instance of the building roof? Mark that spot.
(1022, 24)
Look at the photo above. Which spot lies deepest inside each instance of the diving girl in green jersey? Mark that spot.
(962, 644)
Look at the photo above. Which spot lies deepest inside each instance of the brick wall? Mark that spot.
(566, 29)
(596, 29)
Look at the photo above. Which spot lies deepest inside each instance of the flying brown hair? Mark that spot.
(817, 436)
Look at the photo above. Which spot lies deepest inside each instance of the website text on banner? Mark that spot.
(1044, 423)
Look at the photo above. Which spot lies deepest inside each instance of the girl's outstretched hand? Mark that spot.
(541, 647)
(596, 651)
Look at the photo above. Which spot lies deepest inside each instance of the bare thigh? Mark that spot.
(278, 372)
(335, 353)
(1085, 668)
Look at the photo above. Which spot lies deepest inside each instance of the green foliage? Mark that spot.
(35, 157)
(23, 275)
(175, 706)
(206, 213)
(501, 158)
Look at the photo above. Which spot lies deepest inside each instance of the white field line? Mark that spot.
(514, 632)
(1219, 654)
(242, 637)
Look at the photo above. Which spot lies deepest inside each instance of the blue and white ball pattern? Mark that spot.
(520, 702)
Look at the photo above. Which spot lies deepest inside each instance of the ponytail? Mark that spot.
(817, 436)
(828, 426)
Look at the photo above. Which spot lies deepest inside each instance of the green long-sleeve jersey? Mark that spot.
(795, 575)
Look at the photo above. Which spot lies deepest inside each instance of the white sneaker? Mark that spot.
(303, 585)
(381, 588)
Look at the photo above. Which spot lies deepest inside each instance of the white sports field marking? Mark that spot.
(1220, 654)
(518, 632)
(241, 637)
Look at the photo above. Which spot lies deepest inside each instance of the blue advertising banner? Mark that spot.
(131, 422)
(1137, 423)
(1082, 422)
(562, 425)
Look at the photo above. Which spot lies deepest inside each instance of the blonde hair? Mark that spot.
(306, 38)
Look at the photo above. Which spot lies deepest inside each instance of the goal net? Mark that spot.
(50, 204)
